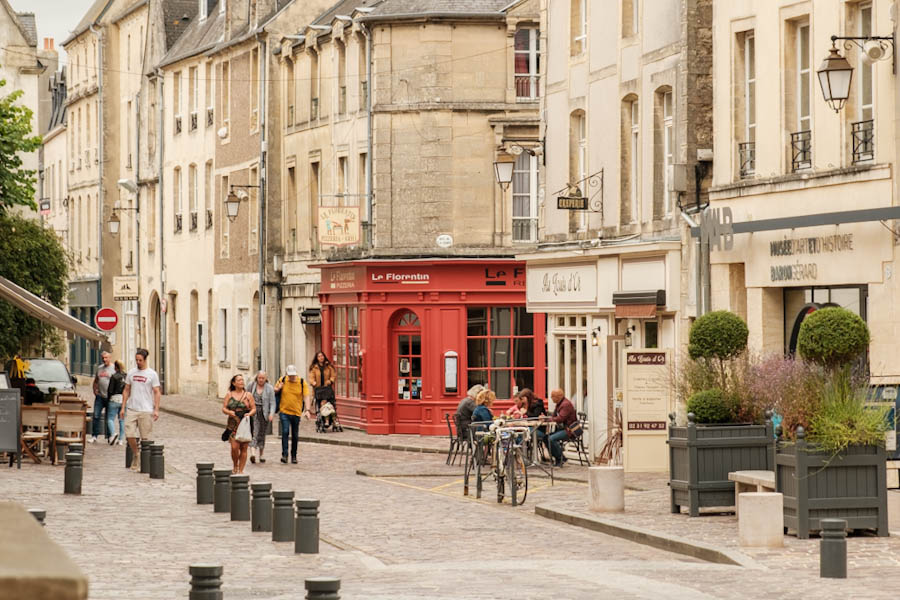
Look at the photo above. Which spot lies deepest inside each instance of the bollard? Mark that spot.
(72, 483)
(606, 492)
(129, 455)
(306, 527)
(833, 549)
(261, 513)
(205, 483)
(40, 514)
(206, 582)
(240, 497)
(222, 491)
(157, 462)
(322, 588)
(283, 516)
(77, 448)
(145, 455)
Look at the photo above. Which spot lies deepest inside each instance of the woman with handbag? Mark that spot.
(321, 377)
(240, 408)
(116, 387)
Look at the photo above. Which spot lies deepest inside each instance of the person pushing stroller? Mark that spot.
(321, 377)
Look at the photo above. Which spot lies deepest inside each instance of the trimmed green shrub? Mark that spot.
(710, 406)
(832, 336)
(720, 334)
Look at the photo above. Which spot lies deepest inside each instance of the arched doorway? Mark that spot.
(406, 371)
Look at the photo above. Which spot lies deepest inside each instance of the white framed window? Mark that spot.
(222, 335)
(804, 80)
(244, 333)
(582, 165)
(176, 93)
(635, 160)
(527, 63)
(524, 197)
(253, 213)
(192, 185)
(176, 189)
(749, 87)
(866, 108)
(578, 26)
(201, 340)
(668, 150)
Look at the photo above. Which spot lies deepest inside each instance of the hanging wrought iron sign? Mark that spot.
(572, 198)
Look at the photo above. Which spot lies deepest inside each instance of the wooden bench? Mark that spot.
(751, 481)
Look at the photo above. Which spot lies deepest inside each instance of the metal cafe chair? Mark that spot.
(35, 430)
(454, 441)
(69, 428)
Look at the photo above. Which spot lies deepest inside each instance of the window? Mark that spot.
(254, 89)
(207, 192)
(342, 77)
(290, 89)
(313, 188)
(196, 344)
(630, 17)
(313, 86)
(747, 148)
(222, 336)
(527, 63)
(128, 53)
(524, 197)
(578, 26)
(803, 78)
(151, 218)
(801, 119)
(577, 164)
(343, 177)
(569, 351)
(176, 94)
(208, 93)
(176, 190)
(194, 93)
(345, 345)
(663, 153)
(291, 225)
(361, 71)
(253, 212)
(224, 223)
(151, 121)
(244, 333)
(863, 130)
(128, 118)
(635, 160)
(500, 349)
(226, 92)
(192, 195)
(651, 334)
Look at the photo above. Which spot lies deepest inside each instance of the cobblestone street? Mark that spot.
(386, 537)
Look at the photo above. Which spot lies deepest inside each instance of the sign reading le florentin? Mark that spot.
(338, 225)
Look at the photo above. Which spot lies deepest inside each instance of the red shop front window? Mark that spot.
(345, 351)
(500, 349)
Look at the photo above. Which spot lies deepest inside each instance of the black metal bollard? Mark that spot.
(322, 588)
(833, 549)
(283, 516)
(206, 582)
(222, 491)
(306, 526)
(39, 514)
(205, 483)
(157, 462)
(145, 455)
(261, 513)
(72, 483)
(240, 497)
(129, 455)
(76, 447)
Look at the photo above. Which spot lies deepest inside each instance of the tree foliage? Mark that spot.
(832, 336)
(33, 258)
(711, 406)
(720, 334)
(16, 182)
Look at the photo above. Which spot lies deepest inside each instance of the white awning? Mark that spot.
(46, 312)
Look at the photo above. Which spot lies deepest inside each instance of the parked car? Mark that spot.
(48, 373)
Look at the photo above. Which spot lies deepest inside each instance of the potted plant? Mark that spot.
(726, 429)
(830, 459)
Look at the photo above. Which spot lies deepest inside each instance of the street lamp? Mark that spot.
(503, 171)
(232, 205)
(113, 223)
(835, 74)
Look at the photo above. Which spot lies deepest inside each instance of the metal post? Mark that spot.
(261, 513)
(39, 514)
(72, 483)
(240, 497)
(145, 455)
(283, 516)
(206, 582)
(205, 483)
(157, 462)
(322, 588)
(222, 491)
(77, 448)
(306, 526)
(129, 455)
(833, 549)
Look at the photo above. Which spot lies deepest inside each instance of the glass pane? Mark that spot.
(751, 57)
(524, 322)
(804, 98)
(416, 366)
(501, 383)
(476, 377)
(500, 352)
(582, 407)
(751, 104)
(573, 321)
(477, 351)
(525, 379)
(522, 39)
(402, 344)
(561, 321)
(848, 298)
(560, 363)
(651, 334)
(501, 321)
(573, 362)
(477, 321)
(416, 345)
(524, 356)
(803, 59)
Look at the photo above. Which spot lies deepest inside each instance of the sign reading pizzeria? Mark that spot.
(648, 400)
(338, 225)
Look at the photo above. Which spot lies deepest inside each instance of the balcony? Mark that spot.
(863, 133)
(209, 117)
(177, 123)
(193, 120)
(747, 158)
(801, 150)
(313, 109)
(209, 221)
(342, 100)
(527, 88)
(193, 220)
(177, 223)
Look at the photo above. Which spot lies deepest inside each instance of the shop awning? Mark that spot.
(635, 311)
(46, 312)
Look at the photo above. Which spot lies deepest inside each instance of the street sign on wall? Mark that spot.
(125, 287)
(106, 319)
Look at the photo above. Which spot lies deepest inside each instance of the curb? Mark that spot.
(318, 440)
(670, 543)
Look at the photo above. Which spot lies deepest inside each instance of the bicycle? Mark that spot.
(509, 465)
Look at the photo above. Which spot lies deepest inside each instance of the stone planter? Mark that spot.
(851, 485)
(702, 456)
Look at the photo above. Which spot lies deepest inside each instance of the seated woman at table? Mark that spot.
(520, 406)
(483, 403)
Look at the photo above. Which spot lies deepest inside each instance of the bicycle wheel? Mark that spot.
(499, 473)
(517, 475)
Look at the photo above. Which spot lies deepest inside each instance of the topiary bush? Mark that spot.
(832, 337)
(710, 406)
(720, 334)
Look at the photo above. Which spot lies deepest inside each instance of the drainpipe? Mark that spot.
(162, 230)
(369, 88)
(263, 205)
(100, 196)
(137, 211)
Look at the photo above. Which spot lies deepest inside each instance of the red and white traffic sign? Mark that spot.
(106, 319)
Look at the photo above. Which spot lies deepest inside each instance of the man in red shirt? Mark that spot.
(564, 416)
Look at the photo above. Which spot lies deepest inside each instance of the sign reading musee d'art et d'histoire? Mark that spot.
(648, 401)
(338, 225)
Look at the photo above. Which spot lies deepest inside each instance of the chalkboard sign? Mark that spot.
(10, 422)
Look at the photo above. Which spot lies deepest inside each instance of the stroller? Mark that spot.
(326, 415)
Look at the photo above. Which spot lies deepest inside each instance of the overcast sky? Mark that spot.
(55, 18)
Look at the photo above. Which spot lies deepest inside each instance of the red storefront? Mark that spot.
(409, 337)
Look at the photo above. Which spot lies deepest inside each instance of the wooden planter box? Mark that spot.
(702, 456)
(850, 486)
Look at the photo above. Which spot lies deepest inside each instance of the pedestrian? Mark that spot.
(100, 386)
(565, 417)
(294, 394)
(464, 410)
(238, 403)
(141, 399)
(264, 398)
(116, 387)
(321, 377)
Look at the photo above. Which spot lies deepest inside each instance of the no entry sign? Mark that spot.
(106, 319)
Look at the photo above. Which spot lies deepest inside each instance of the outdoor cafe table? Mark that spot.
(51, 424)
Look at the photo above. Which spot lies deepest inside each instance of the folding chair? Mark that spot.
(35, 430)
(69, 428)
(583, 458)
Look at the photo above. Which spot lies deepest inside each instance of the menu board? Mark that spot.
(648, 401)
(10, 419)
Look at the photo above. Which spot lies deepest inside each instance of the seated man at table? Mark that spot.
(466, 408)
(31, 394)
(564, 416)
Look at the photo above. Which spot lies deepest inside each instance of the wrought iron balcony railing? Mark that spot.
(747, 158)
(863, 133)
(801, 150)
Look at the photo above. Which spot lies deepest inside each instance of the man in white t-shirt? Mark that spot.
(141, 399)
